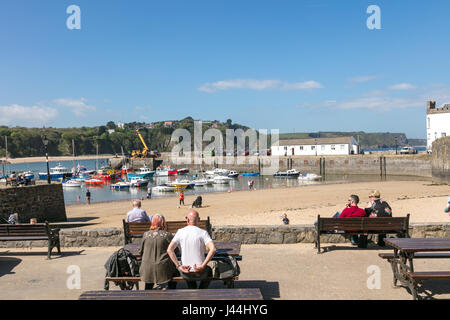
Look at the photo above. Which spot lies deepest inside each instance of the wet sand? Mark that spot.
(424, 200)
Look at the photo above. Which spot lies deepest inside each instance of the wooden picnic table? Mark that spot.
(406, 249)
(232, 248)
(185, 294)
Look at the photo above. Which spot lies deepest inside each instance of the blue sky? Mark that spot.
(290, 65)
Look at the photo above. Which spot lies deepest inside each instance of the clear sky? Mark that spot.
(310, 65)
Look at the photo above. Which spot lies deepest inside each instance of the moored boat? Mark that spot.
(93, 182)
(309, 176)
(287, 174)
(120, 185)
(233, 174)
(221, 180)
(163, 189)
(72, 183)
(138, 182)
(250, 173)
(56, 173)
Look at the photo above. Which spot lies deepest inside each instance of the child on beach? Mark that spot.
(285, 218)
(181, 198)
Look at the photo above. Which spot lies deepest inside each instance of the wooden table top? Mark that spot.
(232, 248)
(419, 244)
(180, 294)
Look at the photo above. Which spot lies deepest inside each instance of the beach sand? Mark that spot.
(424, 200)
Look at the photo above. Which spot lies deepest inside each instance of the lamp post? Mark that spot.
(395, 145)
(45, 141)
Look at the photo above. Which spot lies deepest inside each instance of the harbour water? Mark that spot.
(103, 193)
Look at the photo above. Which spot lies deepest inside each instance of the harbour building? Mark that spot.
(438, 122)
(316, 147)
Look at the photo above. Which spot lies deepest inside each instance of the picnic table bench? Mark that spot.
(187, 294)
(351, 226)
(406, 250)
(133, 230)
(28, 232)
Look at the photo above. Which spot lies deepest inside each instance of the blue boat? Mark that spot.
(250, 173)
(143, 173)
(56, 173)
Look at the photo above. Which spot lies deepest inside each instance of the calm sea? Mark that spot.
(105, 194)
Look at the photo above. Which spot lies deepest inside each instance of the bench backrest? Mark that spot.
(137, 229)
(24, 230)
(363, 224)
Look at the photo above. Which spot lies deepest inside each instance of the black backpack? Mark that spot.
(122, 263)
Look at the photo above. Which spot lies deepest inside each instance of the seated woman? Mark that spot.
(156, 266)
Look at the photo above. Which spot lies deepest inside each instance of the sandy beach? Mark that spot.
(422, 199)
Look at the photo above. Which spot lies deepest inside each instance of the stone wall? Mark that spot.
(244, 234)
(440, 160)
(44, 202)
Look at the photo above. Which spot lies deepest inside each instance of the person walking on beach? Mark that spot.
(193, 242)
(149, 192)
(181, 198)
(88, 196)
(137, 214)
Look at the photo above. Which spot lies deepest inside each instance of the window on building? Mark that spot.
(313, 147)
(301, 147)
(443, 134)
(428, 123)
(323, 148)
(333, 147)
(342, 146)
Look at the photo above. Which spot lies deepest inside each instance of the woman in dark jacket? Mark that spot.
(156, 267)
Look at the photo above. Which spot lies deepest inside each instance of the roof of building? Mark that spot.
(314, 141)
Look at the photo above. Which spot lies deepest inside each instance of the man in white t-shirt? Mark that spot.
(193, 243)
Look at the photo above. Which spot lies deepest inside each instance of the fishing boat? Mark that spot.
(233, 174)
(161, 172)
(93, 182)
(309, 176)
(163, 189)
(181, 184)
(202, 182)
(56, 173)
(250, 174)
(217, 172)
(143, 173)
(287, 174)
(221, 180)
(122, 185)
(72, 183)
(137, 182)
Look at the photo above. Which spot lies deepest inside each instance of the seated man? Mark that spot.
(137, 214)
(193, 242)
(352, 211)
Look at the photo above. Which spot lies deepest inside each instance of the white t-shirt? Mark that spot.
(192, 241)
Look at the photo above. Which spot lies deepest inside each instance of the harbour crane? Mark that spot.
(138, 153)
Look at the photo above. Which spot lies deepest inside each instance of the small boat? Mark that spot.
(181, 184)
(95, 182)
(120, 185)
(138, 182)
(143, 173)
(233, 174)
(203, 182)
(287, 174)
(183, 171)
(217, 172)
(29, 175)
(309, 176)
(161, 172)
(221, 180)
(56, 173)
(163, 189)
(250, 173)
(72, 183)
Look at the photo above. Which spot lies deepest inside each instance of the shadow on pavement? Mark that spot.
(7, 265)
(54, 255)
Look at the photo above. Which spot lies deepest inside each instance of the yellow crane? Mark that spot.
(138, 153)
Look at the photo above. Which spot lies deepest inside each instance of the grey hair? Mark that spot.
(137, 203)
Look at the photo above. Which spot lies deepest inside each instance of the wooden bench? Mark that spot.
(135, 280)
(28, 232)
(187, 294)
(351, 226)
(133, 230)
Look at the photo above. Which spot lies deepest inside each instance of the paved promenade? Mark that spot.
(293, 271)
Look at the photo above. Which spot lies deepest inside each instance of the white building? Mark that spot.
(316, 147)
(438, 122)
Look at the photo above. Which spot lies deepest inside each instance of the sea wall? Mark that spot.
(106, 237)
(440, 160)
(408, 165)
(44, 202)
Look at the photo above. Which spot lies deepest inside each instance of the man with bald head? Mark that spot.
(193, 243)
(137, 214)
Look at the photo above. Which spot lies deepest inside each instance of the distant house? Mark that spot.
(168, 124)
(111, 131)
(121, 125)
(214, 125)
(438, 120)
(316, 146)
(150, 125)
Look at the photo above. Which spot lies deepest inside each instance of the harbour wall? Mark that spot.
(440, 160)
(106, 237)
(44, 202)
(408, 165)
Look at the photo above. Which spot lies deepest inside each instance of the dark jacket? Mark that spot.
(380, 209)
(121, 263)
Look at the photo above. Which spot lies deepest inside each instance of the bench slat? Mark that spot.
(429, 275)
(438, 255)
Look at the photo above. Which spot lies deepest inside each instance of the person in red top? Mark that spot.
(181, 198)
(352, 211)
